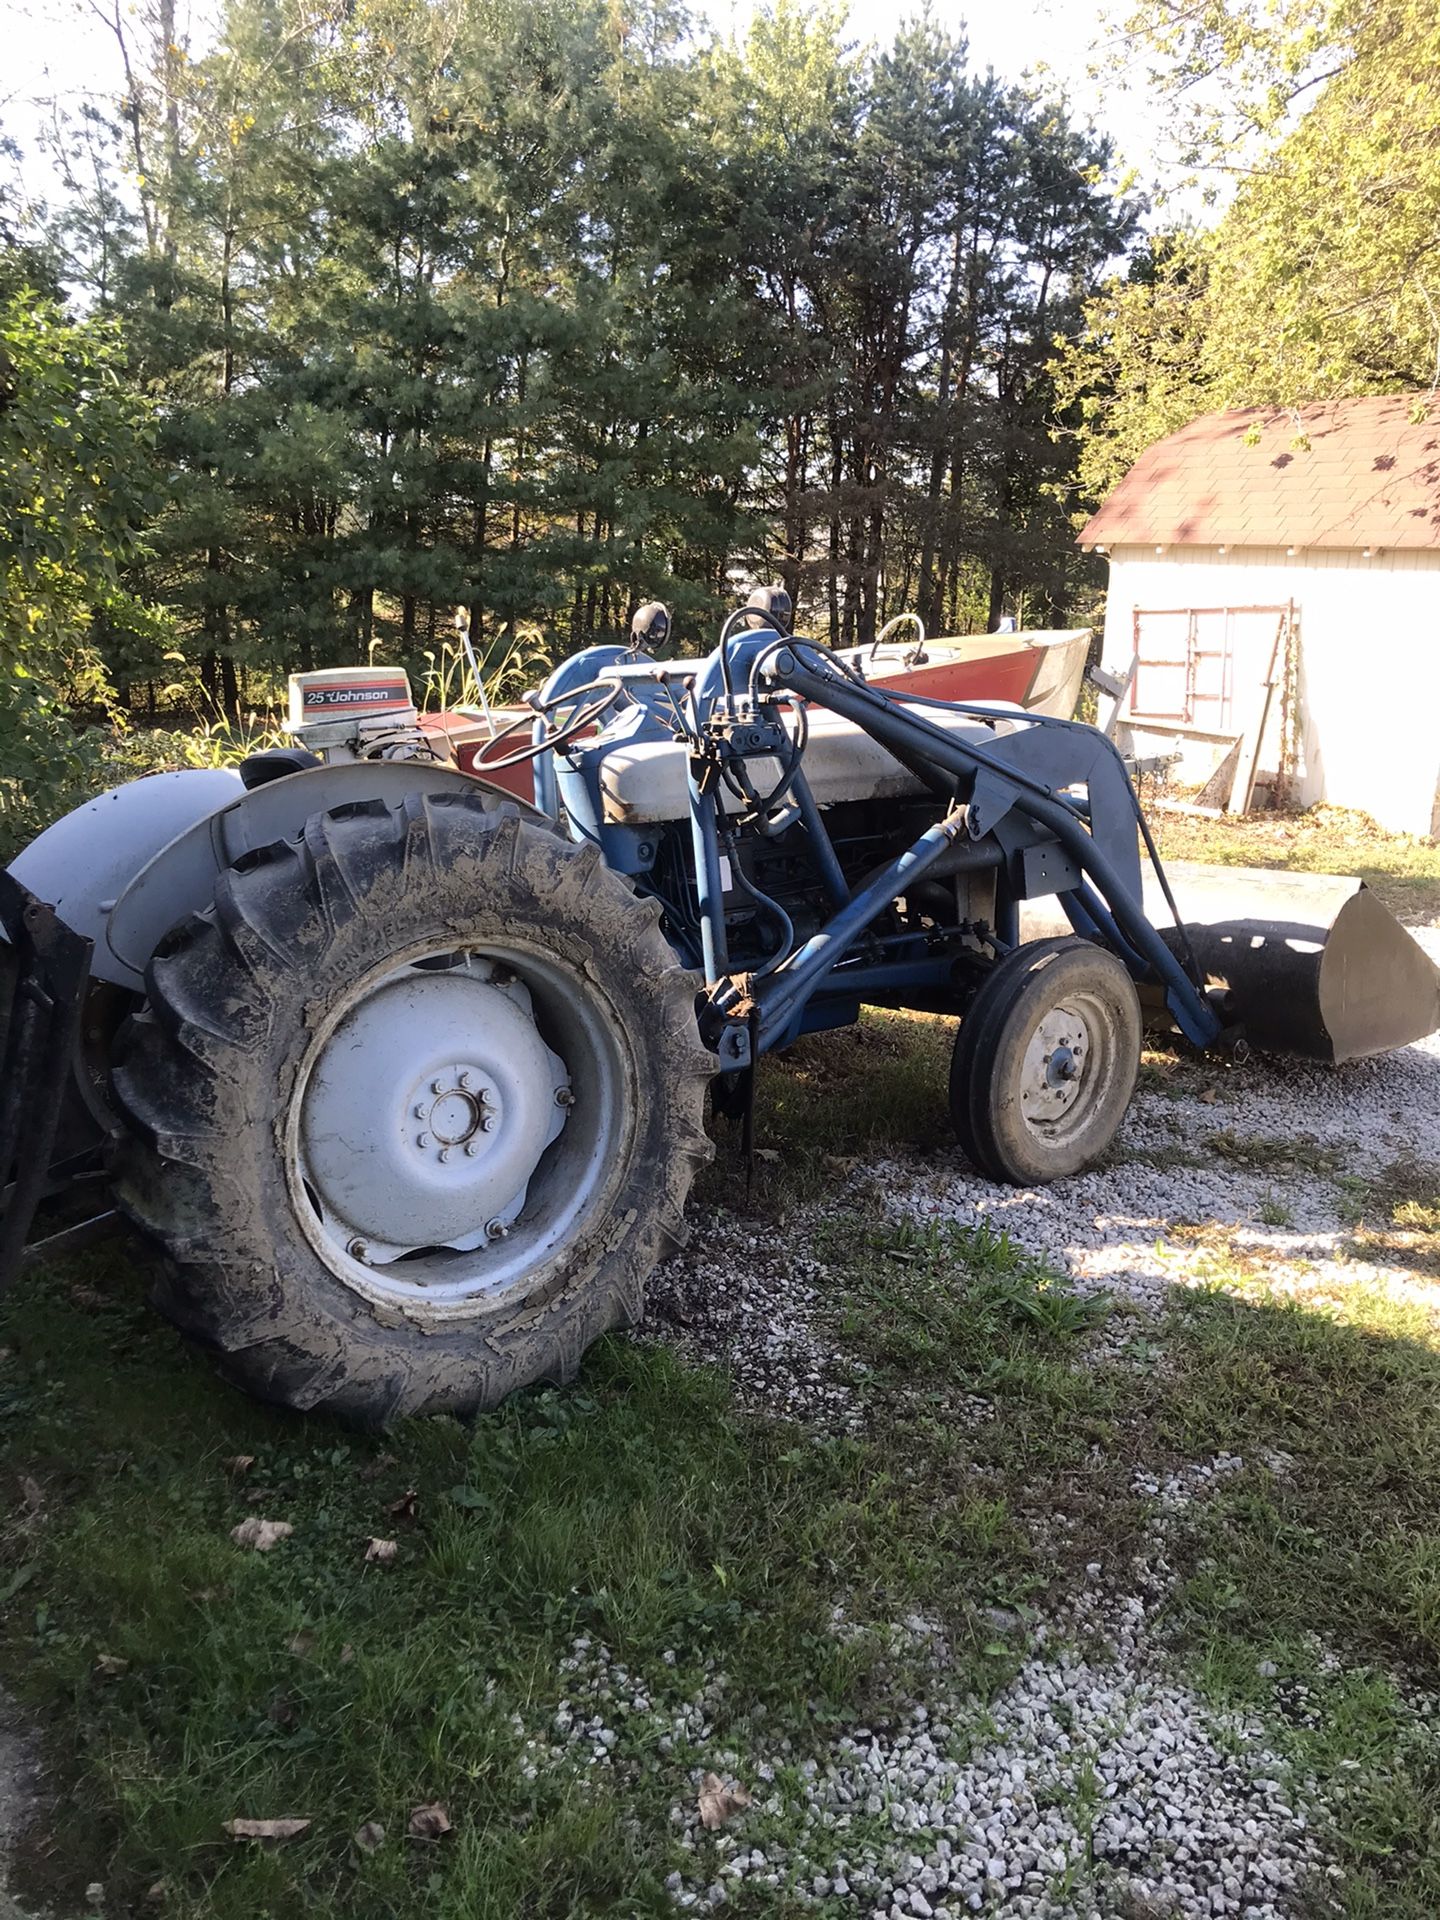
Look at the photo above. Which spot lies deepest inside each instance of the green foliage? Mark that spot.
(76, 479)
(1318, 282)
(541, 310)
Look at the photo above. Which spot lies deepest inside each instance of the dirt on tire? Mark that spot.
(213, 1061)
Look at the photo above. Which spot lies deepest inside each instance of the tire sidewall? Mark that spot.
(291, 935)
(993, 1070)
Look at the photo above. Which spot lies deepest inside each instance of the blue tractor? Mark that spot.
(407, 1079)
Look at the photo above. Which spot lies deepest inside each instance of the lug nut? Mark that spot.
(444, 1155)
(437, 1086)
(423, 1140)
(496, 1230)
(357, 1249)
(470, 1149)
(464, 1080)
(421, 1111)
(487, 1123)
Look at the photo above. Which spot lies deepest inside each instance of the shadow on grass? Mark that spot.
(183, 1681)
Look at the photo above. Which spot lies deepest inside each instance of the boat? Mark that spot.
(1040, 671)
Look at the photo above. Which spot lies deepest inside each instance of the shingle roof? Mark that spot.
(1338, 473)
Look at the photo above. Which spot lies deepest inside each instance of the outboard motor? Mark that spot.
(357, 713)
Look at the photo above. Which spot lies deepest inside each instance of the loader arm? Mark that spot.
(1025, 774)
(1007, 800)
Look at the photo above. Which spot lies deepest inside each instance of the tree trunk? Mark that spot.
(928, 587)
(837, 475)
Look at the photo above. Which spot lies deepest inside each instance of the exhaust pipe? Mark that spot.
(1305, 963)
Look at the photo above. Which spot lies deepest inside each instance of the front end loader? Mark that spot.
(407, 1077)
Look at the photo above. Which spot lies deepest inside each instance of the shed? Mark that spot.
(1275, 572)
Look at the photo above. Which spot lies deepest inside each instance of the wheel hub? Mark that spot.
(1054, 1065)
(457, 1115)
(427, 1110)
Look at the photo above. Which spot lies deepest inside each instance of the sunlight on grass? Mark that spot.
(183, 1681)
(1403, 869)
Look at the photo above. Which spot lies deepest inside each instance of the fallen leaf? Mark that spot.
(404, 1507)
(767, 1154)
(719, 1802)
(347, 1654)
(32, 1493)
(257, 1496)
(429, 1823)
(157, 1894)
(382, 1463)
(369, 1837)
(107, 1665)
(95, 1893)
(87, 1298)
(1209, 1096)
(302, 1645)
(265, 1829)
(382, 1552)
(238, 1463)
(260, 1534)
(281, 1711)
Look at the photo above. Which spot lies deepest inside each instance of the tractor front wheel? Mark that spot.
(413, 1108)
(1045, 1061)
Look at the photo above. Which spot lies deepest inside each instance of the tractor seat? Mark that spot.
(645, 781)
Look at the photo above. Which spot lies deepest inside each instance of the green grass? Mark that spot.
(636, 1509)
(643, 1510)
(1403, 869)
(1339, 1549)
(839, 1101)
(1263, 1152)
(1349, 1551)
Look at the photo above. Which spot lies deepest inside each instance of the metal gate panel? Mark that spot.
(1211, 668)
(1198, 665)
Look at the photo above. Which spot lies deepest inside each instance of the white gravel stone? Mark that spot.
(1097, 1782)
(1110, 1229)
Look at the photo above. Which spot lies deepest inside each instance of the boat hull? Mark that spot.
(1041, 672)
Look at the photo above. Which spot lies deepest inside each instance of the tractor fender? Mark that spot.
(82, 863)
(166, 880)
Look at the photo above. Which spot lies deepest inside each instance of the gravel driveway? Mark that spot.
(1098, 1783)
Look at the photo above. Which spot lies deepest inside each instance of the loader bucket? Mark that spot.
(43, 970)
(1311, 964)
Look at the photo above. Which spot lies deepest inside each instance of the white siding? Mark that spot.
(1369, 674)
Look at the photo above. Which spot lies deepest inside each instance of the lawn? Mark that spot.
(598, 1595)
(1403, 870)
(587, 1602)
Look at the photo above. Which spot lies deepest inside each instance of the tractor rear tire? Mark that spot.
(322, 1199)
(1045, 1061)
